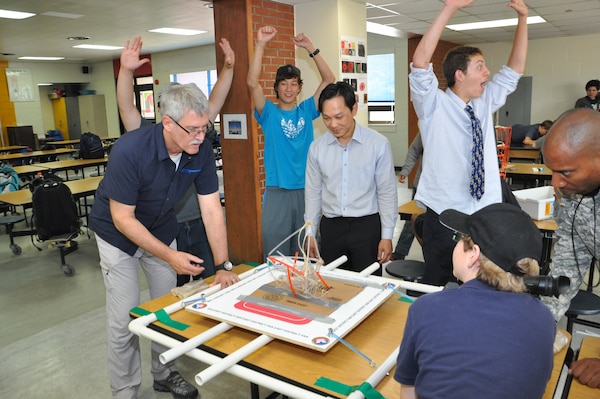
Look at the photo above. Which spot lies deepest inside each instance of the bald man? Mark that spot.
(572, 152)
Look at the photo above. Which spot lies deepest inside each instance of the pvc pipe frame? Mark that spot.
(140, 327)
(378, 374)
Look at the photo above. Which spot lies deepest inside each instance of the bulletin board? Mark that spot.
(20, 84)
(353, 55)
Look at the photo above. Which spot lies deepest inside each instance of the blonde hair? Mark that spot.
(496, 277)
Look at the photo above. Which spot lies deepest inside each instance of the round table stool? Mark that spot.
(9, 222)
(408, 270)
(584, 303)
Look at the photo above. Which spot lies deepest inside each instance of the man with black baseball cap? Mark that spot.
(488, 338)
(288, 131)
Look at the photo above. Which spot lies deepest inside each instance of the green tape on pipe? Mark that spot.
(161, 316)
(367, 390)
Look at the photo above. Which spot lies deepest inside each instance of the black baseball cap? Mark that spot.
(503, 231)
(288, 71)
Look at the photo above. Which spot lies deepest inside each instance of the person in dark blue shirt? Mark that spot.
(133, 218)
(488, 338)
(526, 135)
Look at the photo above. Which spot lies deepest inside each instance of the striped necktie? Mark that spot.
(477, 184)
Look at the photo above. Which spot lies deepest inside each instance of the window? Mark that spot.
(205, 80)
(382, 88)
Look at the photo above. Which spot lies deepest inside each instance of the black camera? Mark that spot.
(547, 285)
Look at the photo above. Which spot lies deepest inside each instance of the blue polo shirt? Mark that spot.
(477, 342)
(140, 173)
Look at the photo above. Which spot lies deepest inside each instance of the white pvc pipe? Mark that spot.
(336, 263)
(378, 375)
(236, 370)
(144, 321)
(409, 285)
(139, 326)
(228, 361)
(370, 270)
(191, 343)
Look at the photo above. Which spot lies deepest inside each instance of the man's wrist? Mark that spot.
(227, 265)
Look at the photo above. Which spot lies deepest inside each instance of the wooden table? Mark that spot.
(408, 209)
(531, 154)
(531, 172)
(377, 336)
(12, 148)
(58, 166)
(79, 188)
(63, 143)
(35, 154)
(590, 347)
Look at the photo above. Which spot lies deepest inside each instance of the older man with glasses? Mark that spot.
(149, 171)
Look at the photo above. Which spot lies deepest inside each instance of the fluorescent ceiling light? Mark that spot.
(15, 14)
(97, 47)
(62, 15)
(494, 24)
(44, 84)
(42, 58)
(175, 31)
(384, 30)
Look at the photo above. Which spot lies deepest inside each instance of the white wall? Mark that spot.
(38, 113)
(560, 69)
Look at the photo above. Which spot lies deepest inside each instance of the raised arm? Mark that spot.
(327, 75)
(219, 93)
(130, 61)
(263, 36)
(428, 43)
(518, 54)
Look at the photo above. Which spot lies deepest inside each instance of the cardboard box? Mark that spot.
(537, 202)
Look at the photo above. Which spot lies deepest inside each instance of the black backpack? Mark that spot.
(54, 209)
(90, 146)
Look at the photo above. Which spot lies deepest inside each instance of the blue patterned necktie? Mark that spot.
(477, 184)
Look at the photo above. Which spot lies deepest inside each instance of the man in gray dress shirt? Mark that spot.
(350, 190)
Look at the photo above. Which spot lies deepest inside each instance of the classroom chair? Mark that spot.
(408, 270)
(585, 303)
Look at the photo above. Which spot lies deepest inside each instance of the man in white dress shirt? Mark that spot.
(448, 132)
(350, 186)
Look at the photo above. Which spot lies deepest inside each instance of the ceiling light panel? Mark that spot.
(15, 14)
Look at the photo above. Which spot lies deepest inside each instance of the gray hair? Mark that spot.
(175, 99)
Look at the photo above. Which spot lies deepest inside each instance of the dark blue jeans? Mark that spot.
(192, 239)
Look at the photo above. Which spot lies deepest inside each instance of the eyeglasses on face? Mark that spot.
(195, 131)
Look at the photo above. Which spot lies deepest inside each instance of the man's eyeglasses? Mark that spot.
(195, 131)
(456, 236)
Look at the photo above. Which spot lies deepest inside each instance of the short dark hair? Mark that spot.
(457, 59)
(547, 124)
(338, 89)
(593, 83)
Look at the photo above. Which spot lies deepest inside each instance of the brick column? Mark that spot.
(243, 160)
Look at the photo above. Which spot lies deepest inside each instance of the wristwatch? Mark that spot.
(227, 265)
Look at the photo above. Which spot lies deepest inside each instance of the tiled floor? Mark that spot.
(52, 338)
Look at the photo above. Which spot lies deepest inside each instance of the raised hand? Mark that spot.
(265, 34)
(303, 41)
(130, 56)
(228, 52)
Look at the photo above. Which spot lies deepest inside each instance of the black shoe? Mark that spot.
(180, 388)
